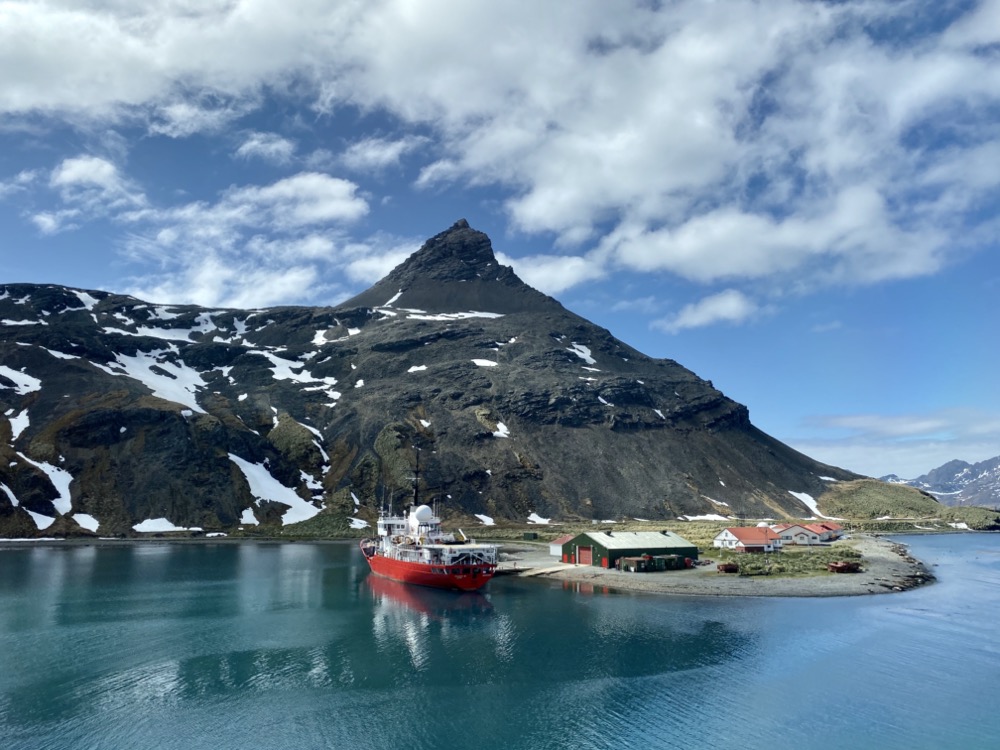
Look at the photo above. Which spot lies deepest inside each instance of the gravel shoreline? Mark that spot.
(886, 567)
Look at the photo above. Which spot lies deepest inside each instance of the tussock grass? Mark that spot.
(792, 561)
(870, 499)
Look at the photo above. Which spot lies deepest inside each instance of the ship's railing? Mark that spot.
(473, 557)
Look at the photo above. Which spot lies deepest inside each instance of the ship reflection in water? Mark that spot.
(425, 620)
(435, 603)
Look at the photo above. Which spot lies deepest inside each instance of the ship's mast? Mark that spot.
(416, 478)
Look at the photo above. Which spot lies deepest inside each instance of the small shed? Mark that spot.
(555, 546)
(603, 549)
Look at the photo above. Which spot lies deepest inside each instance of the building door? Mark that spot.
(586, 555)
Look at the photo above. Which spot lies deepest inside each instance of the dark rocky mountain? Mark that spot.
(119, 416)
(960, 483)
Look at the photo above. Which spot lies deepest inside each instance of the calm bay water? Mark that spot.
(297, 646)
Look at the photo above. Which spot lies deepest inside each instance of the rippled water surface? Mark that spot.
(297, 646)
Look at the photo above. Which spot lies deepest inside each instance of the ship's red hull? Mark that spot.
(460, 577)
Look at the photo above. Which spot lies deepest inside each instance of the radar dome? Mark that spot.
(423, 514)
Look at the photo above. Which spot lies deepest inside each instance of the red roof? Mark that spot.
(563, 539)
(754, 534)
(787, 526)
(817, 528)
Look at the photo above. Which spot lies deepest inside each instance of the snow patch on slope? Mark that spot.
(86, 521)
(809, 502)
(23, 383)
(18, 424)
(158, 525)
(582, 352)
(263, 486)
(9, 493)
(171, 381)
(60, 479)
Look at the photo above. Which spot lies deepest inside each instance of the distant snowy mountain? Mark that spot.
(959, 482)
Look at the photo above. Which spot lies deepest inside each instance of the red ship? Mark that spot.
(414, 549)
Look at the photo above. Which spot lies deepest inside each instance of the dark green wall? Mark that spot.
(601, 552)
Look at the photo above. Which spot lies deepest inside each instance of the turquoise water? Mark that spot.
(296, 646)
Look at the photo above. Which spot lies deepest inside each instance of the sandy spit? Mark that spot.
(886, 567)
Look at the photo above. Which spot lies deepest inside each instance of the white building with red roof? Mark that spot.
(826, 534)
(794, 533)
(748, 539)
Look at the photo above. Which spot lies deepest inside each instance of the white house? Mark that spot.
(824, 534)
(793, 533)
(748, 539)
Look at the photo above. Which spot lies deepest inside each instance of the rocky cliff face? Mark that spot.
(119, 416)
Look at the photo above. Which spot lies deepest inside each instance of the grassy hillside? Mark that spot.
(871, 505)
(869, 498)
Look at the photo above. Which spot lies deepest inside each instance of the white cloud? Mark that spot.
(378, 153)
(18, 184)
(309, 247)
(257, 245)
(370, 262)
(552, 274)
(53, 222)
(729, 306)
(214, 279)
(853, 240)
(92, 179)
(193, 64)
(266, 146)
(301, 200)
(882, 426)
(720, 142)
(89, 187)
(180, 119)
(87, 171)
(648, 305)
(908, 445)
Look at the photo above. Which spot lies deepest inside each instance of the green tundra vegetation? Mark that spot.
(792, 560)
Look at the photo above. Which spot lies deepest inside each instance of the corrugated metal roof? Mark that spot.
(648, 540)
(563, 539)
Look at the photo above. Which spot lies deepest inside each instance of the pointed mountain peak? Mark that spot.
(460, 253)
(454, 271)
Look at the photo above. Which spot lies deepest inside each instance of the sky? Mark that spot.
(797, 200)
